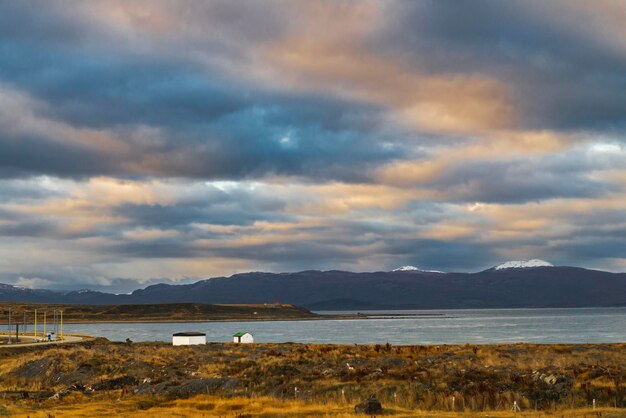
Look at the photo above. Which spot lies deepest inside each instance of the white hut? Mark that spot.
(243, 337)
(188, 338)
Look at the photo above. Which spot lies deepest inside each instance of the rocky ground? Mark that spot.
(471, 378)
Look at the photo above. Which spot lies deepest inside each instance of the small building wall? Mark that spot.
(246, 338)
(188, 340)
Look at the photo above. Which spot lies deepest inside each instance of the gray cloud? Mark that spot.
(520, 181)
(563, 72)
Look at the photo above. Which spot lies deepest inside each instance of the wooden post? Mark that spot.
(44, 325)
(35, 330)
(61, 324)
(516, 407)
(594, 404)
(453, 399)
(9, 326)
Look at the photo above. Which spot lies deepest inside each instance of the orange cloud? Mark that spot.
(496, 146)
(443, 103)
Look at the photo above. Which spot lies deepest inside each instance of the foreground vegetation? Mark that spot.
(211, 406)
(298, 380)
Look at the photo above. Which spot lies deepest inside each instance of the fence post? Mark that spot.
(9, 326)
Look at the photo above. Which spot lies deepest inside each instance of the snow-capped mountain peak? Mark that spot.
(406, 268)
(413, 268)
(520, 264)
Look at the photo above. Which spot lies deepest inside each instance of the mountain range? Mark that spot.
(518, 284)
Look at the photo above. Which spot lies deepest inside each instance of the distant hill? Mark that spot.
(505, 287)
(167, 312)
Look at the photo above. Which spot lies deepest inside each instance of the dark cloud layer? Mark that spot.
(224, 129)
(563, 70)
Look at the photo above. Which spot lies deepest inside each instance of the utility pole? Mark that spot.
(61, 323)
(35, 330)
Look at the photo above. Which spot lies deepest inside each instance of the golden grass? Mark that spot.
(262, 407)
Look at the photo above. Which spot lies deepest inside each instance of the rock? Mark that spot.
(371, 406)
(81, 376)
(22, 394)
(143, 388)
(117, 383)
(65, 391)
(392, 362)
(191, 387)
(355, 361)
(36, 369)
(138, 369)
(551, 379)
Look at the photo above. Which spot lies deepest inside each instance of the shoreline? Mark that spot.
(346, 317)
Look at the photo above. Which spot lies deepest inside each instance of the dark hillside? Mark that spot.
(163, 312)
(538, 287)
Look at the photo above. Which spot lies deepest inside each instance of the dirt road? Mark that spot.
(32, 341)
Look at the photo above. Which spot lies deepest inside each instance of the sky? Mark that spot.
(165, 141)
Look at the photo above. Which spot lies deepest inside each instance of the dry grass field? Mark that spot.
(208, 406)
(298, 380)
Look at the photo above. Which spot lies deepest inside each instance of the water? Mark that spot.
(474, 326)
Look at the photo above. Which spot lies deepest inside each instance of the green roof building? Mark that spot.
(243, 337)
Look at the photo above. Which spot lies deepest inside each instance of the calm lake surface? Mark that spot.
(474, 326)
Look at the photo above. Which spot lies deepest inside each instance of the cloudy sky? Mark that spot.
(159, 140)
